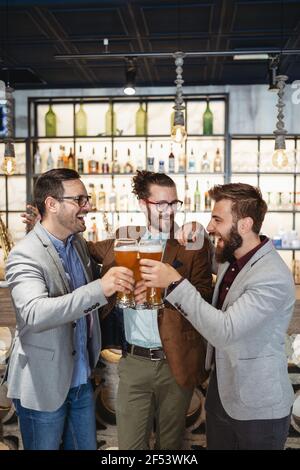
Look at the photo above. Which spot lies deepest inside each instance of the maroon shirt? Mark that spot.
(233, 270)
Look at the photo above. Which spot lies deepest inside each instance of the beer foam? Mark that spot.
(126, 248)
(150, 249)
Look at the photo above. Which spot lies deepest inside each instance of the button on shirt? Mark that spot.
(141, 326)
(234, 268)
(76, 278)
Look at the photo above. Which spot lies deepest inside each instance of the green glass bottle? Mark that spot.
(110, 121)
(80, 122)
(207, 120)
(141, 121)
(50, 122)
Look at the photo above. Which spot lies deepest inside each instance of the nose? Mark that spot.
(210, 228)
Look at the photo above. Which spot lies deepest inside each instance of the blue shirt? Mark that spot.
(76, 278)
(141, 326)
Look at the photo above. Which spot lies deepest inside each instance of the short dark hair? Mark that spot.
(143, 179)
(246, 200)
(50, 184)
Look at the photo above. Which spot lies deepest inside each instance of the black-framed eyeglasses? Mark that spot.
(162, 206)
(81, 200)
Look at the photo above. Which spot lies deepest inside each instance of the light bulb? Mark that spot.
(129, 90)
(280, 159)
(178, 134)
(9, 165)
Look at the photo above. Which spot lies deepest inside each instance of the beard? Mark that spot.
(230, 244)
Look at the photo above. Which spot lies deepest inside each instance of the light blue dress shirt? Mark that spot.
(141, 326)
(76, 278)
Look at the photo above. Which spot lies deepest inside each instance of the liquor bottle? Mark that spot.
(80, 162)
(93, 165)
(105, 164)
(65, 158)
(50, 122)
(192, 162)
(140, 159)
(110, 121)
(60, 160)
(116, 168)
(80, 122)
(161, 166)
(205, 164)
(141, 121)
(37, 161)
(123, 200)
(207, 120)
(101, 200)
(171, 161)
(112, 200)
(181, 160)
(93, 231)
(71, 160)
(207, 198)
(197, 198)
(187, 198)
(150, 159)
(50, 161)
(218, 162)
(128, 168)
(93, 195)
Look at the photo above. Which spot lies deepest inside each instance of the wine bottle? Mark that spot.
(71, 160)
(50, 122)
(207, 120)
(110, 121)
(197, 198)
(105, 164)
(141, 121)
(80, 162)
(65, 158)
(171, 162)
(80, 122)
(207, 198)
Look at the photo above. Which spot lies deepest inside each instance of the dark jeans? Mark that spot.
(226, 433)
(72, 426)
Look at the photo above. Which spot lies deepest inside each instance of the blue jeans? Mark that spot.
(72, 426)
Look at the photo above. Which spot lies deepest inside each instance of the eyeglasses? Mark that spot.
(162, 206)
(81, 200)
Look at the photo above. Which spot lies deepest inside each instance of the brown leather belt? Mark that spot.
(154, 354)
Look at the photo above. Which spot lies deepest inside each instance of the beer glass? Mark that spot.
(152, 249)
(126, 252)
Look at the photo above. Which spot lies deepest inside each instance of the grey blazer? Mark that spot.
(248, 335)
(41, 362)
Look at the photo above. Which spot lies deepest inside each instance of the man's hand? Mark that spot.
(157, 274)
(118, 279)
(140, 293)
(191, 232)
(30, 217)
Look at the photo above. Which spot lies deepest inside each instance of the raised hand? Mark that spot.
(117, 279)
(157, 274)
(30, 217)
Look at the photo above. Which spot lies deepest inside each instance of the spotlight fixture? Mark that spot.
(272, 71)
(129, 88)
(280, 159)
(178, 132)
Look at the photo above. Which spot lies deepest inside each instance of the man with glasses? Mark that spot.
(163, 355)
(57, 341)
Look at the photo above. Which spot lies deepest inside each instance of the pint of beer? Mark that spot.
(126, 253)
(152, 249)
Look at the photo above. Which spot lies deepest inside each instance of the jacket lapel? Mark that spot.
(171, 249)
(221, 272)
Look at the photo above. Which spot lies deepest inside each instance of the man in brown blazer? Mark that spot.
(163, 355)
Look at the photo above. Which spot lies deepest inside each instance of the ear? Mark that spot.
(245, 225)
(51, 204)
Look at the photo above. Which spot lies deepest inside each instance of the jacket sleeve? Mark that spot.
(98, 250)
(201, 271)
(34, 308)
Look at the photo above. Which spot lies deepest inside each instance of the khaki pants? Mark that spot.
(148, 390)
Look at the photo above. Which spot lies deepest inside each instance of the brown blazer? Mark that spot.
(184, 347)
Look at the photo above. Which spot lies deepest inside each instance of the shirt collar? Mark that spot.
(241, 262)
(60, 245)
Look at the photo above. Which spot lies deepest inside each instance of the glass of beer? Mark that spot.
(152, 249)
(126, 252)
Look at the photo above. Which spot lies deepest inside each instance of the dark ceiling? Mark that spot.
(32, 33)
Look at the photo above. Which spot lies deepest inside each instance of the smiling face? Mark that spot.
(225, 229)
(160, 221)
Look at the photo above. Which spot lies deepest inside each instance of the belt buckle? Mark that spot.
(151, 352)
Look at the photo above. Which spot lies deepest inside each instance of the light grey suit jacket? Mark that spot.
(248, 335)
(41, 363)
